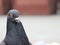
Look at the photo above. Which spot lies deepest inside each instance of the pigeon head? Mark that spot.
(13, 13)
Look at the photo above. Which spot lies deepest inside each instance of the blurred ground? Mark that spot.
(45, 28)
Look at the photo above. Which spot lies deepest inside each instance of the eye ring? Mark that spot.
(11, 15)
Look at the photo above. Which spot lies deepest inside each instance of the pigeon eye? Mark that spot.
(11, 15)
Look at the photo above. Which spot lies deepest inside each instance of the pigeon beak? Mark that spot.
(16, 19)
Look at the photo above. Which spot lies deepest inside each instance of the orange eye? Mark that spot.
(11, 15)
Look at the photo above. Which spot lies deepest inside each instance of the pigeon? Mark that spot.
(16, 34)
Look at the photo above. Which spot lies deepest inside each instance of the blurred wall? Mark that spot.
(53, 6)
(32, 6)
(7, 5)
(1, 7)
(29, 6)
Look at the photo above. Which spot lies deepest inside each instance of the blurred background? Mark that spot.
(40, 18)
(28, 7)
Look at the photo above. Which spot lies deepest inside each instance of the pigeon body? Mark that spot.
(15, 32)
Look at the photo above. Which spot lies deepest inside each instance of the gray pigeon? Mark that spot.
(15, 32)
